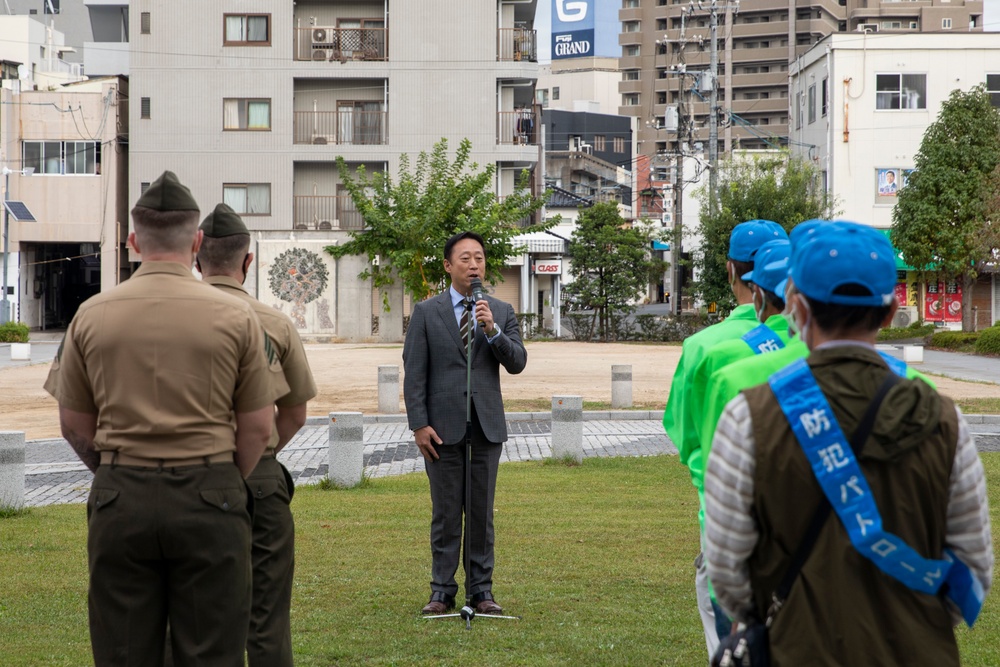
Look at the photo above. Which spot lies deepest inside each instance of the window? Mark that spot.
(247, 29)
(143, 187)
(993, 88)
(812, 103)
(900, 91)
(555, 92)
(50, 6)
(542, 96)
(618, 144)
(246, 114)
(359, 122)
(630, 99)
(630, 75)
(248, 198)
(631, 50)
(63, 157)
(144, 23)
(946, 24)
(630, 4)
(826, 99)
(630, 26)
(599, 142)
(144, 107)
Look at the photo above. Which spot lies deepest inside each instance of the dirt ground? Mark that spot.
(347, 377)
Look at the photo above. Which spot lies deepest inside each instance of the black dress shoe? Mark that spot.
(484, 603)
(439, 603)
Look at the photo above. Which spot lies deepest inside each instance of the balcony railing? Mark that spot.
(326, 213)
(518, 127)
(341, 44)
(346, 126)
(517, 44)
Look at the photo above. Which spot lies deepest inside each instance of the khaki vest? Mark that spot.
(843, 610)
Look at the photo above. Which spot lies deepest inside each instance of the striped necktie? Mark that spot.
(463, 325)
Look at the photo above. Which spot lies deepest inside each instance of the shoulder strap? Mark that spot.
(857, 442)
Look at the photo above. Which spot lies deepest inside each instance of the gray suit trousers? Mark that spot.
(447, 482)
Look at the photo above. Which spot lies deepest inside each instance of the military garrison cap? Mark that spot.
(222, 222)
(167, 193)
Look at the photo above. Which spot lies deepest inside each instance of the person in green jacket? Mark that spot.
(744, 241)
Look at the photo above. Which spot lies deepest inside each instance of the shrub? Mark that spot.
(651, 327)
(954, 340)
(579, 325)
(915, 330)
(989, 341)
(14, 332)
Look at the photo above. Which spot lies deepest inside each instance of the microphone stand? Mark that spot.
(467, 613)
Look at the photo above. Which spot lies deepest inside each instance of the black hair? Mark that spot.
(773, 300)
(848, 319)
(742, 268)
(450, 243)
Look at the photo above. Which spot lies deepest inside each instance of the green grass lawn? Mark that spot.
(596, 559)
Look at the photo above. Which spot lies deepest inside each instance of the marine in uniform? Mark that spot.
(744, 242)
(905, 548)
(166, 392)
(223, 260)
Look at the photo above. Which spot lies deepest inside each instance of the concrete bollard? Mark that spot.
(388, 390)
(567, 427)
(11, 469)
(347, 444)
(913, 354)
(20, 351)
(621, 386)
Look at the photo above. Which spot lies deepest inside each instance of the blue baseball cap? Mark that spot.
(770, 265)
(748, 237)
(841, 254)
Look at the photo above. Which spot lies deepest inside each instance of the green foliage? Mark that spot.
(942, 220)
(407, 221)
(769, 187)
(915, 330)
(960, 341)
(611, 265)
(14, 332)
(989, 341)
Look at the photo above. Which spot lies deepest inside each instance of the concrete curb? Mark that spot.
(588, 415)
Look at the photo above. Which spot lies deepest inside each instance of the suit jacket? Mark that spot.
(434, 379)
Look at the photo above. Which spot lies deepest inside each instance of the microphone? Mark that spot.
(477, 292)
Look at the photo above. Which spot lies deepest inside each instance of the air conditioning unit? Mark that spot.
(323, 43)
(905, 316)
(868, 27)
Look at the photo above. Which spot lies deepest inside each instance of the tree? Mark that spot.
(407, 221)
(944, 218)
(611, 265)
(775, 186)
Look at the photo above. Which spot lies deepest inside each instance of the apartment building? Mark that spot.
(251, 103)
(65, 159)
(96, 31)
(861, 105)
(666, 46)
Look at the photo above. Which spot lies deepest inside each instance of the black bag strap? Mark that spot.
(857, 442)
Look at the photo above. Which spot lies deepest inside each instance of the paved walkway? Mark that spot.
(55, 475)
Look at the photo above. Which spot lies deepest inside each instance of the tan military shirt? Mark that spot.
(165, 362)
(287, 343)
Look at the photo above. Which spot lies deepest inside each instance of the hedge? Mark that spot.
(14, 332)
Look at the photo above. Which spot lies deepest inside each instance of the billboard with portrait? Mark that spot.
(888, 182)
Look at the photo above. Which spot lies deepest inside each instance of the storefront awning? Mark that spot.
(900, 264)
(660, 245)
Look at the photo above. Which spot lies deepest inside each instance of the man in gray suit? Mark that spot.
(434, 386)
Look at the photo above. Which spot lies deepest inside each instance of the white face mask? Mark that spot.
(758, 294)
(793, 309)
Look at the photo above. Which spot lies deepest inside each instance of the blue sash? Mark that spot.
(762, 339)
(838, 473)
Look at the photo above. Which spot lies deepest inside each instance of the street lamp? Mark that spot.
(27, 171)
